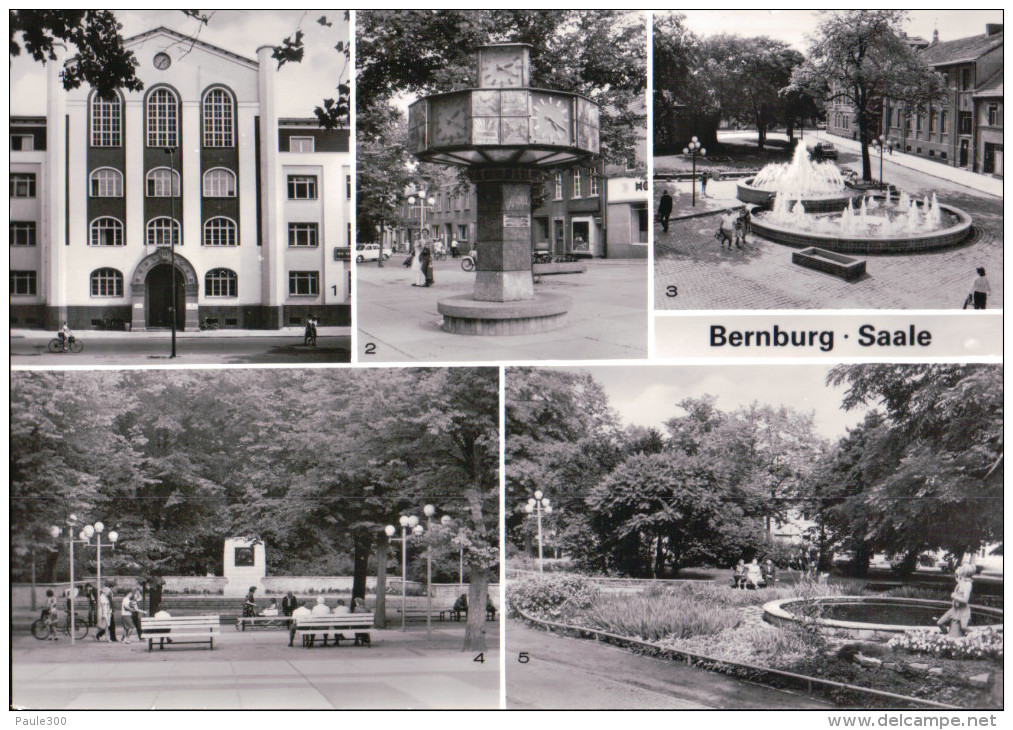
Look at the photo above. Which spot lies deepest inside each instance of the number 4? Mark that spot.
(480, 658)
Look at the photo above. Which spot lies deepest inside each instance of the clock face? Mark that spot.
(162, 61)
(450, 120)
(551, 119)
(503, 69)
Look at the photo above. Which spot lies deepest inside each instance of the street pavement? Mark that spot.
(607, 318)
(258, 670)
(571, 674)
(762, 276)
(217, 347)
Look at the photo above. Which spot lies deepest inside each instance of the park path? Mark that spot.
(565, 673)
(257, 670)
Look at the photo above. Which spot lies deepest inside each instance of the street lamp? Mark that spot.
(96, 531)
(423, 202)
(446, 521)
(540, 504)
(412, 523)
(172, 239)
(881, 143)
(695, 148)
(83, 537)
(429, 510)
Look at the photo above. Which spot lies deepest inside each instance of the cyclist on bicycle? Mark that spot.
(65, 336)
(50, 613)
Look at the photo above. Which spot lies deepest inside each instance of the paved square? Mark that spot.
(762, 276)
(607, 318)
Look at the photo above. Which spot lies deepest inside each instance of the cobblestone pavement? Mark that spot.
(761, 276)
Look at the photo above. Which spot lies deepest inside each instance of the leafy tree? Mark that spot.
(861, 57)
(383, 170)
(930, 487)
(684, 102)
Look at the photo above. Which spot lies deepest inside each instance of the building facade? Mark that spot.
(190, 199)
(956, 129)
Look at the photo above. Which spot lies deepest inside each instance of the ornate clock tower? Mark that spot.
(505, 133)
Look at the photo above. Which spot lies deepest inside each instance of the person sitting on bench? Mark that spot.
(321, 609)
(300, 612)
(272, 608)
(340, 609)
(461, 604)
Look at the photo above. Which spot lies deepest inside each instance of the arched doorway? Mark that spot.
(159, 298)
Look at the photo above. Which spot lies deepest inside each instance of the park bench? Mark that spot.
(193, 629)
(263, 622)
(310, 627)
(455, 615)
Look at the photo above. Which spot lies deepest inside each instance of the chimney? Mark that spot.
(992, 29)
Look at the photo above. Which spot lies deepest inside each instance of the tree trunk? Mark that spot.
(49, 566)
(360, 560)
(659, 558)
(380, 553)
(478, 592)
(154, 595)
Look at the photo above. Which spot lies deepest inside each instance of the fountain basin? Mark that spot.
(871, 617)
(814, 203)
(951, 235)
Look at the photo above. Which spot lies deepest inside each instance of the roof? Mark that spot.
(962, 50)
(992, 87)
(183, 38)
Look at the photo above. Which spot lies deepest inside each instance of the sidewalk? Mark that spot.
(973, 180)
(23, 333)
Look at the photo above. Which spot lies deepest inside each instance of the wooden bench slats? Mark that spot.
(199, 628)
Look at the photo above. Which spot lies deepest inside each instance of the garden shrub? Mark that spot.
(985, 644)
(654, 617)
(552, 596)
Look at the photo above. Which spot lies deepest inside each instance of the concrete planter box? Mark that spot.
(829, 262)
(563, 267)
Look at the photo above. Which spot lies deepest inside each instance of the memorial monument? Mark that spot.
(505, 132)
(244, 564)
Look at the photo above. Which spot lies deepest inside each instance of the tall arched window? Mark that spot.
(161, 231)
(162, 183)
(106, 120)
(221, 283)
(220, 232)
(106, 182)
(219, 119)
(219, 183)
(106, 283)
(163, 118)
(105, 231)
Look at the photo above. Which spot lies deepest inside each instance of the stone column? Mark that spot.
(503, 269)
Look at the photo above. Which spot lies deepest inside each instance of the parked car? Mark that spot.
(823, 151)
(369, 252)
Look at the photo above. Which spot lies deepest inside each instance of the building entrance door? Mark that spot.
(965, 147)
(558, 237)
(158, 295)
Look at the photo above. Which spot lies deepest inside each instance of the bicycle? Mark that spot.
(56, 345)
(208, 324)
(468, 262)
(42, 629)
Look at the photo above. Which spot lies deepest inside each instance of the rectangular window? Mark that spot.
(467, 199)
(349, 244)
(300, 144)
(594, 185)
(23, 233)
(559, 186)
(302, 187)
(966, 122)
(576, 184)
(462, 233)
(22, 142)
(932, 122)
(918, 123)
(304, 283)
(993, 115)
(22, 283)
(22, 185)
(942, 122)
(965, 79)
(348, 187)
(302, 235)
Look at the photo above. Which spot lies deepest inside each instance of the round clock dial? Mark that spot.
(550, 121)
(162, 61)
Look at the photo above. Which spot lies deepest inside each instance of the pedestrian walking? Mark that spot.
(665, 210)
(104, 615)
(742, 226)
(127, 616)
(704, 177)
(136, 611)
(418, 276)
(426, 259)
(980, 289)
(726, 231)
(289, 603)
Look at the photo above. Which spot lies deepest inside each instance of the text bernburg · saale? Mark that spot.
(868, 336)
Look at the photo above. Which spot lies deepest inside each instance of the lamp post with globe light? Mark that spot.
(83, 537)
(429, 510)
(412, 523)
(537, 505)
(423, 200)
(694, 148)
(96, 531)
(881, 143)
(447, 521)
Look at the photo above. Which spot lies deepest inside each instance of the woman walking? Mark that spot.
(980, 289)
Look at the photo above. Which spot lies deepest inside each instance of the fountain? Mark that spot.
(819, 184)
(871, 617)
(866, 225)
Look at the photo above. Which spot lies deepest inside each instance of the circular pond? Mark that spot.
(871, 617)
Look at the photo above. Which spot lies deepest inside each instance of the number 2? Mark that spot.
(370, 348)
